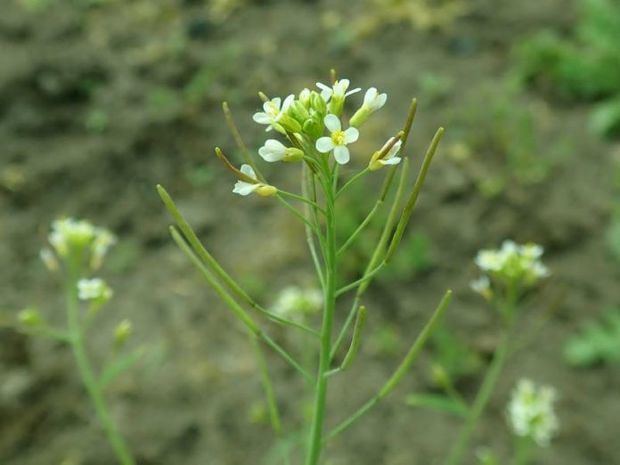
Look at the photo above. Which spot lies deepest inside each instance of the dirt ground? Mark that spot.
(99, 104)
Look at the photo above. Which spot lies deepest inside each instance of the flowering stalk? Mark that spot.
(87, 373)
(77, 249)
(507, 274)
(316, 136)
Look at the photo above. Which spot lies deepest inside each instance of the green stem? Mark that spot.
(480, 402)
(301, 199)
(351, 181)
(360, 228)
(89, 378)
(315, 442)
(523, 450)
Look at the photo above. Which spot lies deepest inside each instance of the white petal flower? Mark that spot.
(272, 111)
(531, 413)
(390, 158)
(338, 140)
(246, 187)
(338, 90)
(273, 150)
(482, 285)
(373, 100)
(93, 289)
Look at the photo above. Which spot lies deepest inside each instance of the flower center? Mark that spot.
(338, 137)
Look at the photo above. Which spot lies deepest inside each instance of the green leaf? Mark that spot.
(437, 402)
(597, 341)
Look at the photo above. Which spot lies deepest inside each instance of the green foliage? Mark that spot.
(597, 341)
(583, 66)
(613, 236)
(437, 402)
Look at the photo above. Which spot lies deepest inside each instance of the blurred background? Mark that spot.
(102, 99)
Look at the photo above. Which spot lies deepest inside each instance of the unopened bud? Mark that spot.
(293, 154)
(30, 317)
(265, 190)
(122, 332)
(49, 259)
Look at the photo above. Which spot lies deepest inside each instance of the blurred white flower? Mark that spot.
(519, 264)
(338, 140)
(251, 184)
(274, 109)
(295, 303)
(482, 286)
(94, 289)
(530, 412)
(69, 236)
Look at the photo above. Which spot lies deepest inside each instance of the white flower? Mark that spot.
(273, 111)
(102, 243)
(245, 187)
(274, 150)
(514, 263)
(390, 158)
(69, 232)
(530, 412)
(338, 140)
(373, 100)
(294, 303)
(338, 90)
(93, 289)
(482, 286)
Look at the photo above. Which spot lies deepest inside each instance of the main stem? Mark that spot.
(89, 379)
(481, 401)
(329, 292)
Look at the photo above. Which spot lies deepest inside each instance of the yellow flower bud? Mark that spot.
(265, 190)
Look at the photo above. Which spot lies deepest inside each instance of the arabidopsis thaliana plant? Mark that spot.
(530, 412)
(245, 187)
(274, 109)
(338, 140)
(338, 90)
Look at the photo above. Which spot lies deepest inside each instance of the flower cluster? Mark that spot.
(313, 126)
(77, 241)
(295, 303)
(513, 266)
(94, 289)
(530, 412)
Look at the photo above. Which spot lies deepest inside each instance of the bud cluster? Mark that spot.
(77, 242)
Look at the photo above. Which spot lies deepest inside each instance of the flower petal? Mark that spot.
(287, 102)
(332, 123)
(244, 188)
(390, 161)
(248, 171)
(324, 144)
(351, 135)
(341, 154)
(262, 118)
(370, 96)
(353, 91)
